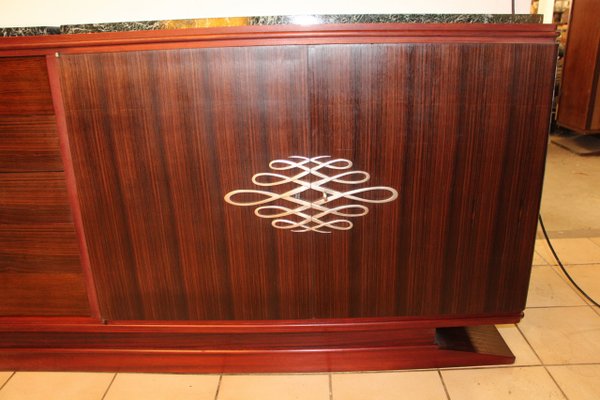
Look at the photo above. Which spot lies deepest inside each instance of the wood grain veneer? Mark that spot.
(24, 86)
(34, 198)
(421, 118)
(41, 293)
(154, 129)
(156, 200)
(460, 131)
(29, 143)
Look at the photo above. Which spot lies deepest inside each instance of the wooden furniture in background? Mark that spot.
(579, 99)
(157, 127)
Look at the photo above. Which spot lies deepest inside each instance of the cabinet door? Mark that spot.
(158, 138)
(459, 130)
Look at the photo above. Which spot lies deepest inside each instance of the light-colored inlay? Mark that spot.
(325, 218)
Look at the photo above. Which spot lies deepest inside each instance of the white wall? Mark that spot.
(63, 12)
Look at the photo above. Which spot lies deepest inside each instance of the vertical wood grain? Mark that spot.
(579, 101)
(460, 131)
(158, 138)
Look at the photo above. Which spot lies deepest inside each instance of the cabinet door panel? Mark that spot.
(460, 131)
(158, 138)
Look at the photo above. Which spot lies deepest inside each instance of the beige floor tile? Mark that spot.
(163, 386)
(271, 387)
(588, 278)
(538, 259)
(524, 355)
(581, 382)
(420, 385)
(56, 385)
(596, 240)
(4, 375)
(563, 335)
(527, 383)
(570, 251)
(548, 289)
(571, 192)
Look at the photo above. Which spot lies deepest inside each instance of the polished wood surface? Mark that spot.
(42, 293)
(24, 86)
(29, 143)
(460, 131)
(36, 197)
(152, 172)
(40, 270)
(235, 352)
(579, 99)
(156, 127)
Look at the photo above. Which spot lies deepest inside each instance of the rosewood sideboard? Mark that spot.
(283, 198)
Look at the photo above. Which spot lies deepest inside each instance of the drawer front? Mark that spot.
(34, 198)
(29, 143)
(46, 294)
(40, 271)
(24, 87)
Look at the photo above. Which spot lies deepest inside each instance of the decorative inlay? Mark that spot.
(317, 215)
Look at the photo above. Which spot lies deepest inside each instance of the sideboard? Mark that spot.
(270, 198)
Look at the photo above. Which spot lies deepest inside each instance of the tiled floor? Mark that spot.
(557, 348)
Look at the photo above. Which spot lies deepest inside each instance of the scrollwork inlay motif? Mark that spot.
(314, 173)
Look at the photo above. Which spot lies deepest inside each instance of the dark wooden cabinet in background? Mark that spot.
(579, 98)
(157, 129)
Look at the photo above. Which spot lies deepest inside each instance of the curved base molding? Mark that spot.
(357, 346)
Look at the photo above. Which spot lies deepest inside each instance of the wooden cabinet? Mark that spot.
(244, 195)
(579, 99)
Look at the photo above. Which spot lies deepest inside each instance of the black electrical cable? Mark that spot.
(562, 266)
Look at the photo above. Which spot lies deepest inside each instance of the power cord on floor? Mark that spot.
(560, 264)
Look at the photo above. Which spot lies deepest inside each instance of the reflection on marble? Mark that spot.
(276, 20)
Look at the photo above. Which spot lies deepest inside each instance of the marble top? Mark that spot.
(274, 20)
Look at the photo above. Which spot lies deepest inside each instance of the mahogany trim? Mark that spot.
(61, 128)
(12, 324)
(453, 347)
(280, 35)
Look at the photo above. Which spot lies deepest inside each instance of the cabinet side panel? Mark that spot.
(158, 138)
(460, 131)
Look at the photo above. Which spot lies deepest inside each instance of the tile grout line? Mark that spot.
(330, 386)
(561, 274)
(218, 386)
(535, 353)
(108, 387)
(507, 366)
(557, 306)
(9, 378)
(542, 362)
(555, 382)
(443, 384)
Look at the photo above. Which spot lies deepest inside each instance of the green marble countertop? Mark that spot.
(274, 20)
